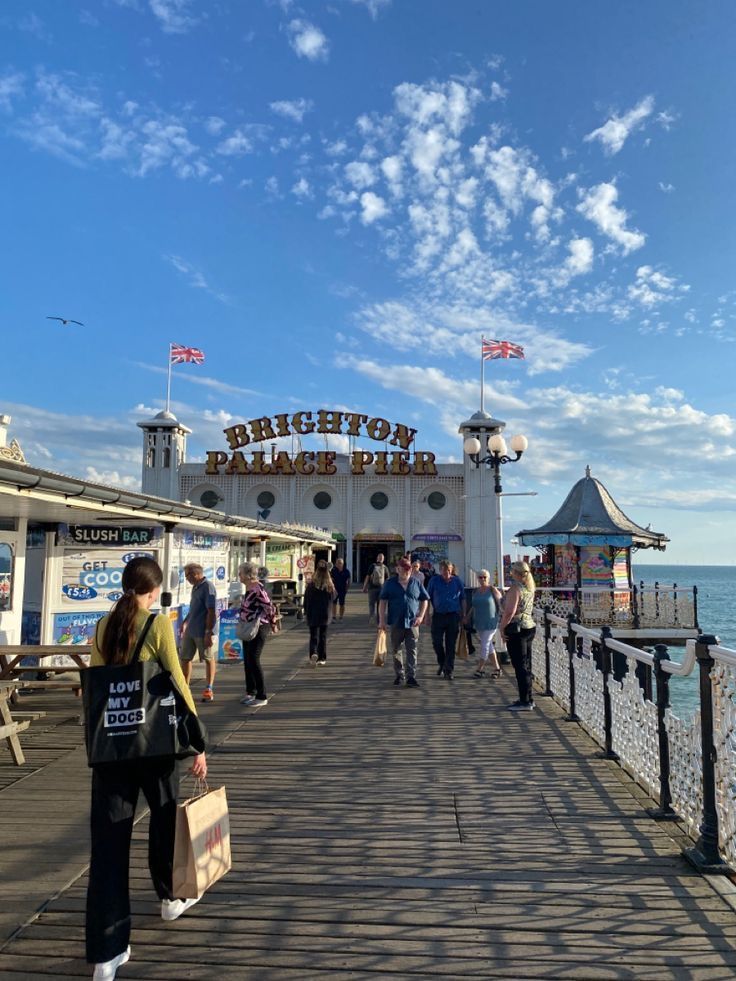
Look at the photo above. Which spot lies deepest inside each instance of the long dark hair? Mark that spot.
(140, 576)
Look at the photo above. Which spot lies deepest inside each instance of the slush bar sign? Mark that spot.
(111, 535)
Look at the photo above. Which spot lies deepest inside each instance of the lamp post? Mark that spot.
(497, 456)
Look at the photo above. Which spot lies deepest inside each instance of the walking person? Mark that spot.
(341, 580)
(447, 595)
(256, 606)
(373, 584)
(401, 608)
(198, 627)
(116, 786)
(486, 603)
(319, 598)
(518, 629)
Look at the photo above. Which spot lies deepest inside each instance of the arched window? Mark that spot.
(166, 457)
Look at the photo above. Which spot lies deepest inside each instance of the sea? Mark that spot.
(716, 615)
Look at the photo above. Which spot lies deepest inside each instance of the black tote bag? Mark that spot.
(134, 711)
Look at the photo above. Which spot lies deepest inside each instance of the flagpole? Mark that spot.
(482, 376)
(168, 382)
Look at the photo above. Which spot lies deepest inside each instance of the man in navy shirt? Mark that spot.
(198, 627)
(447, 593)
(402, 605)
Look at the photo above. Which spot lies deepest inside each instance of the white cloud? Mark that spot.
(614, 133)
(307, 40)
(374, 207)
(174, 16)
(373, 6)
(497, 92)
(302, 189)
(236, 145)
(294, 109)
(112, 478)
(214, 125)
(666, 188)
(598, 204)
(194, 276)
(652, 288)
(360, 174)
(11, 86)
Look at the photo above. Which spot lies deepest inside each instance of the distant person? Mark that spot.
(319, 598)
(377, 575)
(401, 609)
(416, 571)
(116, 786)
(518, 628)
(486, 604)
(256, 605)
(341, 580)
(447, 595)
(198, 627)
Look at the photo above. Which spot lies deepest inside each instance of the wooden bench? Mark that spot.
(12, 655)
(9, 728)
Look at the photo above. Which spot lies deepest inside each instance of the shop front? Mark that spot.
(368, 545)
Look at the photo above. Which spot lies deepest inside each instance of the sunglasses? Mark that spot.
(482, 577)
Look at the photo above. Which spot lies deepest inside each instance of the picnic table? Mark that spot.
(9, 728)
(11, 657)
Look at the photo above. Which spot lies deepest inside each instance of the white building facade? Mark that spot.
(371, 500)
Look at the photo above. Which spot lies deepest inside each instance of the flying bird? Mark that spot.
(65, 322)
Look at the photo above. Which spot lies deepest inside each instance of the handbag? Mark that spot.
(461, 650)
(247, 629)
(201, 844)
(134, 711)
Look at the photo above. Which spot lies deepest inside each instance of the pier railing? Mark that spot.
(621, 696)
(640, 607)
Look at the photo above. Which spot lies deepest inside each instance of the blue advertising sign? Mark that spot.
(79, 592)
(230, 649)
(220, 572)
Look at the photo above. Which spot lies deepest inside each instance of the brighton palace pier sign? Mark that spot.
(400, 462)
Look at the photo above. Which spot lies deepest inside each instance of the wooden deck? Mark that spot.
(377, 832)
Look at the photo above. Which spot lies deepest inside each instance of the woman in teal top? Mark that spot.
(485, 606)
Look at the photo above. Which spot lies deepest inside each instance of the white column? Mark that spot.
(49, 585)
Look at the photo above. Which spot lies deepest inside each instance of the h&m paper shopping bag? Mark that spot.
(202, 844)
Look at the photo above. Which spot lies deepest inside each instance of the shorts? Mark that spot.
(195, 645)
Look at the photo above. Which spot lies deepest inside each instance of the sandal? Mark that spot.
(497, 674)
(479, 674)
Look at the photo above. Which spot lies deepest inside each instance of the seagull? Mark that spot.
(65, 322)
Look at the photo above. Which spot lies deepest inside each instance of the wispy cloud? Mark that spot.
(615, 131)
(194, 277)
(373, 6)
(11, 86)
(196, 378)
(598, 204)
(294, 109)
(308, 40)
(174, 16)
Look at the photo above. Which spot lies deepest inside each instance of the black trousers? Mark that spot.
(115, 790)
(318, 641)
(255, 683)
(444, 631)
(519, 647)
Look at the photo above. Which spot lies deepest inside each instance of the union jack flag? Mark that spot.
(185, 355)
(501, 349)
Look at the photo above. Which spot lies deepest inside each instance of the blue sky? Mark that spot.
(335, 199)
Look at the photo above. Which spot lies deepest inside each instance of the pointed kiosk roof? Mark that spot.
(590, 516)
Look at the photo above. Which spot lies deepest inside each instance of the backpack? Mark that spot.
(378, 575)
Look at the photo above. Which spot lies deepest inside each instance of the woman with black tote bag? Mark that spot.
(131, 631)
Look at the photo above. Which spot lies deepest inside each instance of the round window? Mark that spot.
(379, 501)
(436, 500)
(209, 499)
(266, 499)
(322, 500)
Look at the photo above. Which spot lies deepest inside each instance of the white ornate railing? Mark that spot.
(643, 606)
(612, 698)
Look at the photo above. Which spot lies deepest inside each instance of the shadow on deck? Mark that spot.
(378, 831)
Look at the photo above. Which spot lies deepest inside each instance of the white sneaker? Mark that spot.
(171, 909)
(248, 700)
(257, 702)
(313, 660)
(107, 971)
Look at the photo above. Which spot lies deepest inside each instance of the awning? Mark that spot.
(378, 536)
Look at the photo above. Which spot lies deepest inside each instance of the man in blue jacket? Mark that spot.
(447, 593)
(402, 606)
